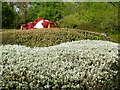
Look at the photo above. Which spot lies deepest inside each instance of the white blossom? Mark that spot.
(89, 61)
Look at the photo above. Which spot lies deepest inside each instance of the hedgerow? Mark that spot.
(46, 37)
(85, 64)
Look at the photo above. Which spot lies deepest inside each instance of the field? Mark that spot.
(58, 59)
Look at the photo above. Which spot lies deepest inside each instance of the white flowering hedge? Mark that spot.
(85, 64)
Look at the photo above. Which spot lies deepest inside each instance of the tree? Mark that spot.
(8, 15)
(48, 10)
(21, 12)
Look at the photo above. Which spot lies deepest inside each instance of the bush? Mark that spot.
(85, 64)
(102, 17)
(46, 37)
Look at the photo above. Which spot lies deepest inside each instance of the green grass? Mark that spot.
(115, 37)
(47, 37)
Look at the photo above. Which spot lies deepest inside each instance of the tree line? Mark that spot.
(16, 13)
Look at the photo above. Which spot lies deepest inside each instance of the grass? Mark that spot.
(49, 37)
(115, 37)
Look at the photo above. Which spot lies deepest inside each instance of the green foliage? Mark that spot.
(70, 21)
(47, 10)
(51, 10)
(22, 15)
(8, 15)
(24, 12)
(94, 17)
(46, 37)
(98, 17)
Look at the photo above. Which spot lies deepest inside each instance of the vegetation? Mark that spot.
(96, 17)
(77, 21)
(81, 65)
(93, 16)
(48, 37)
(8, 16)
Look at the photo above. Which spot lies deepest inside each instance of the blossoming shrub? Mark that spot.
(85, 64)
(46, 37)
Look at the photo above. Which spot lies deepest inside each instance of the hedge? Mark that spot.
(84, 65)
(47, 37)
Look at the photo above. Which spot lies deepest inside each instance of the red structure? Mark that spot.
(38, 24)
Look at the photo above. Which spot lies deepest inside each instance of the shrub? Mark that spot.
(85, 64)
(46, 37)
(94, 17)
